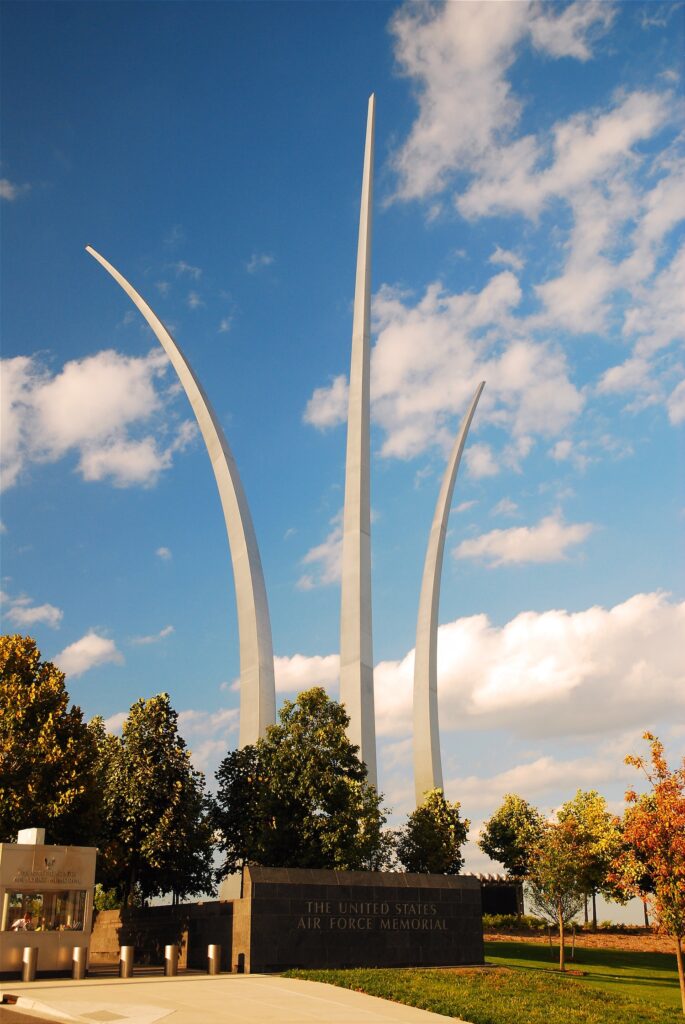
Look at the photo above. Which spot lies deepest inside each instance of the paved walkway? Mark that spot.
(196, 999)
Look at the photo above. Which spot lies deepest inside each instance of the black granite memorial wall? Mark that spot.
(299, 918)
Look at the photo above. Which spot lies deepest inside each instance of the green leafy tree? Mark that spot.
(652, 863)
(299, 796)
(159, 835)
(557, 865)
(510, 833)
(432, 839)
(48, 755)
(601, 833)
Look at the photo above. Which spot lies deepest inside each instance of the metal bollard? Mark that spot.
(213, 959)
(126, 962)
(170, 961)
(29, 963)
(79, 961)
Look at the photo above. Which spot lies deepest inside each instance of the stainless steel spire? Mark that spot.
(257, 689)
(427, 763)
(356, 648)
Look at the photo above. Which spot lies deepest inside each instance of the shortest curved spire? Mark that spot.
(257, 688)
(427, 761)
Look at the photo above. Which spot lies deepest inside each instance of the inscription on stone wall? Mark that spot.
(361, 916)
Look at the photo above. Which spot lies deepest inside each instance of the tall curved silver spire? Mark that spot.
(356, 648)
(257, 689)
(427, 762)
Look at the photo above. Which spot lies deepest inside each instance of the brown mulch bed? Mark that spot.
(645, 943)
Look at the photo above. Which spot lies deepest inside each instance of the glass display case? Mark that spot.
(46, 901)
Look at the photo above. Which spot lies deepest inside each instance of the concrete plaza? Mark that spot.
(199, 999)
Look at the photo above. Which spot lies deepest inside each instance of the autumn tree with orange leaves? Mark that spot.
(654, 836)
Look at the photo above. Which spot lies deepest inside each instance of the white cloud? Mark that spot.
(429, 358)
(187, 269)
(301, 672)
(458, 55)
(676, 404)
(194, 300)
(210, 735)
(154, 638)
(90, 408)
(114, 723)
(623, 198)
(164, 554)
(328, 405)
(258, 261)
(506, 258)
(11, 191)
(464, 506)
(480, 461)
(541, 675)
(505, 507)
(548, 541)
(325, 557)
(23, 613)
(554, 673)
(88, 652)
(225, 325)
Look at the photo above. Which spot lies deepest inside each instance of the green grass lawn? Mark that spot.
(522, 988)
(650, 976)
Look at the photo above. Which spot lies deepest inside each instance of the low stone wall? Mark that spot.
(299, 918)
(192, 926)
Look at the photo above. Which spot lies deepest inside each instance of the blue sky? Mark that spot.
(527, 231)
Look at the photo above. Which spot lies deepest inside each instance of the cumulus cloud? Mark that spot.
(115, 722)
(541, 675)
(325, 558)
(153, 638)
(209, 735)
(506, 258)
(480, 461)
(164, 554)
(429, 357)
(547, 541)
(554, 673)
(620, 197)
(88, 652)
(24, 614)
(328, 405)
(301, 672)
(90, 408)
(458, 56)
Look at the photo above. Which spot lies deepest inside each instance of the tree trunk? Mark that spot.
(681, 974)
(562, 951)
(585, 910)
(128, 902)
(644, 907)
(594, 910)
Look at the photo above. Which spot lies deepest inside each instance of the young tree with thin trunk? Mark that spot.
(557, 870)
(654, 846)
(601, 833)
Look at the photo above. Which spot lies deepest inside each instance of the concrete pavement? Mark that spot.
(199, 999)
